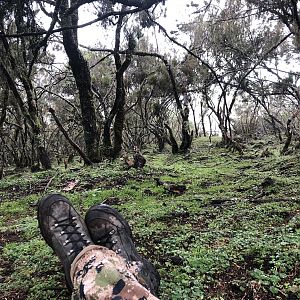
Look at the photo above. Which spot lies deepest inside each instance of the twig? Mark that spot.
(49, 182)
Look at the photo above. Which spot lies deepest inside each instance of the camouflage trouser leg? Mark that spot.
(99, 273)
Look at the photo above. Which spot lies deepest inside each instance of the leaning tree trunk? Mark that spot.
(72, 143)
(82, 77)
(289, 134)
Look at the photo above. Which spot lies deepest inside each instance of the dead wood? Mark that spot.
(138, 161)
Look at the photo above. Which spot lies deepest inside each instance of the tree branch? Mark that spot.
(72, 143)
(100, 18)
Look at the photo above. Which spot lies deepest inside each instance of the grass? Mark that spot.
(234, 234)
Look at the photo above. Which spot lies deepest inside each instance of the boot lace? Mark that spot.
(108, 240)
(70, 228)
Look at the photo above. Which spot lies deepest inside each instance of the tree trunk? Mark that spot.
(33, 112)
(174, 144)
(194, 118)
(117, 112)
(289, 132)
(82, 77)
(184, 113)
(1, 162)
(118, 130)
(4, 97)
(202, 119)
(186, 136)
(160, 138)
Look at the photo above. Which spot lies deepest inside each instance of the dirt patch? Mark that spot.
(236, 282)
(101, 182)
(86, 183)
(15, 295)
(89, 183)
(18, 191)
(96, 182)
(113, 201)
(176, 217)
(288, 168)
(9, 237)
(6, 268)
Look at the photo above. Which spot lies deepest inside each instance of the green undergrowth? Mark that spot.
(234, 233)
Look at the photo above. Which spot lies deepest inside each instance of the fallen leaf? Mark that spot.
(70, 185)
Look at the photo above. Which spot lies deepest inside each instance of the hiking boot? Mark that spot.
(109, 229)
(63, 230)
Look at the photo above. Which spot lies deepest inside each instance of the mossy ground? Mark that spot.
(234, 234)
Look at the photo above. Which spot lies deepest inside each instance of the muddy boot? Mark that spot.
(108, 228)
(63, 230)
